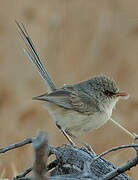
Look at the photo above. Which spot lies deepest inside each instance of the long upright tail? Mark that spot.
(33, 56)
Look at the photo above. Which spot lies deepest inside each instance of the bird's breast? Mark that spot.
(74, 121)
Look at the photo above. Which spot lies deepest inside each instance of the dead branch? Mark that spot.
(23, 174)
(127, 166)
(40, 144)
(16, 145)
(115, 149)
(71, 163)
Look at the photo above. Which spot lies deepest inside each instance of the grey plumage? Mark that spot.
(79, 107)
(34, 57)
(83, 97)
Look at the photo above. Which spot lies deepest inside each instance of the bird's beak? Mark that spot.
(122, 94)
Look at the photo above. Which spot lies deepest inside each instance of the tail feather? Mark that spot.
(33, 56)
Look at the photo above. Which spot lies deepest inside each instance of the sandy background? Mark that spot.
(76, 40)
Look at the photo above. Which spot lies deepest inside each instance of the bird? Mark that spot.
(79, 107)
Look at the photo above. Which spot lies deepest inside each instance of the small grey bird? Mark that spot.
(79, 107)
(84, 106)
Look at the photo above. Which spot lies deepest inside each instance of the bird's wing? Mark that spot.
(58, 97)
(71, 99)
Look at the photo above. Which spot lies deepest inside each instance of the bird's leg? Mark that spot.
(68, 138)
(87, 146)
(124, 129)
(66, 135)
(69, 135)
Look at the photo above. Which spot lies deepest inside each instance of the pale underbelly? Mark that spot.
(76, 122)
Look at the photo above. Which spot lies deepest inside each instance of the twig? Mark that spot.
(69, 160)
(73, 161)
(16, 145)
(127, 166)
(115, 149)
(24, 173)
(52, 165)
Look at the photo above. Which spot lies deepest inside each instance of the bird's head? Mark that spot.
(106, 91)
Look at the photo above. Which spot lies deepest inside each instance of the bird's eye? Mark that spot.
(109, 93)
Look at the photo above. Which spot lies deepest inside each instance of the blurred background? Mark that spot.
(76, 40)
